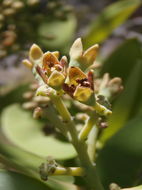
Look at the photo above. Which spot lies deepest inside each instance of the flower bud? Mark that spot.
(27, 63)
(76, 50)
(35, 53)
(90, 54)
(37, 112)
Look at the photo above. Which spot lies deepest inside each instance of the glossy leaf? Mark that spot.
(26, 163)
(125, 104)
(122, 61)
(22, 130)
(111, 17)
(120, 160)
(12, 96)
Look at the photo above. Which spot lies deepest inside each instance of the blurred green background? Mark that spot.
(116, 25)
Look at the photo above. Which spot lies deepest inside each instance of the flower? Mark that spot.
(73, 80)
(80, 58)
(79, 85)
(48, 66)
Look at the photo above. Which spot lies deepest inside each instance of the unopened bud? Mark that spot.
(17, 5)
(28, 95)
(114, 186)
(1, 17)
(64, 61)
(81, 116)
(8, 12)
(35, 53)
(29, 105)
(7, 3)
(90, 54)
(34, 86)
(41, 99)
(32, 2)
(37, 112)
(76, 50)
(27, 63)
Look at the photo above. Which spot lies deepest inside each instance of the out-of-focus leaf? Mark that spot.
(122, 61)
(15, 181)
(120, 161)
(61, 185)
(13, 96)
(27, 163)
(60, 32)
(134, 188)
(112, 16)
(22, 130)
(125, 104)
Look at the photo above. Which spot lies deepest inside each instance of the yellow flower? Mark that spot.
(47, 65)
(79, 85)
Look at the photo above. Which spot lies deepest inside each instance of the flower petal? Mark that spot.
(82, 93)
(56, 79)
(90, 54)
(76, 50)
(74, 74)
(49, 60)
(56, 54)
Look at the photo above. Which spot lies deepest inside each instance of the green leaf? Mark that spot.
(120, 159)
(22, 130)
(15, 181)
(122, 61)
(134, 188)
(125, 104)
(28, 164)
(61, 32)
(12, 96)
(111, 17)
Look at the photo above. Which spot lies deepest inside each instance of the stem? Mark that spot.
(72, 171)
(87, 127)
(51, 115)
(102, 110)
(80, 146)
(92, 138)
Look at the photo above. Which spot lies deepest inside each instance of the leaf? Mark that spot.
(28, 164)
(61, 33)
(14, 95)
(122, 61)
(22, 130)
(134, 188)
(120, 159)
(111, 17)
(125, 104)
(15, 181)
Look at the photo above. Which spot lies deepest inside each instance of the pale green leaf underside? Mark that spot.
(22, 130)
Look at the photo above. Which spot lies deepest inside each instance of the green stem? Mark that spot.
(80, 146)
(87, 127)
(72, 171)
(50, 114)
(92, 138)
(102, 110)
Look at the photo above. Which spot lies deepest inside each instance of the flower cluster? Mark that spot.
(73, 78)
